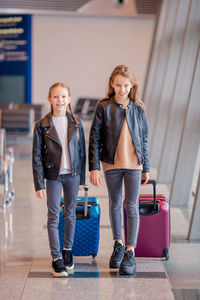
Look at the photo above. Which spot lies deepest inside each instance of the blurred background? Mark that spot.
(76, 42)
(79, 42)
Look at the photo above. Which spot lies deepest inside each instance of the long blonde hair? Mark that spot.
(67, 88)
(126, 72)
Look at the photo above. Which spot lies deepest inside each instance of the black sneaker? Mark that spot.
(59, 269)
(117, 255)
(128, 265)
(68, 259)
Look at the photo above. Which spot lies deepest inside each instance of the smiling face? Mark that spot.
(122, 86)
(59, 99)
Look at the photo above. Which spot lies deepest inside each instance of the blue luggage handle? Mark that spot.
(86, 200)
(85, 204)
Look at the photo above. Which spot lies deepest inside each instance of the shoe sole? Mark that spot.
(69, 268)
(114, 266)
(60, 274)
(127, 271)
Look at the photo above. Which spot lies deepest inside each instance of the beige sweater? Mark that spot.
(125, 156)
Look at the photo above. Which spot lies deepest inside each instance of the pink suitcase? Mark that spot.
(154, 231)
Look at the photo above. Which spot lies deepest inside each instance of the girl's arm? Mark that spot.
(37, 166)
(145, 177)
(144, 125)
(41, 194)
(94, 146)
(95, 139)
(95, 177)
(83, 154)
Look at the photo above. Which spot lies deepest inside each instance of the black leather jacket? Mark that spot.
(106, 129)
(47, 150)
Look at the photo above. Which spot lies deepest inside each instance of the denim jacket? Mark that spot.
(106, 129)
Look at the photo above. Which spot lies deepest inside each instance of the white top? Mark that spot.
(61, 125)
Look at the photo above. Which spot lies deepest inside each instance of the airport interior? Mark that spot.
(79, 43)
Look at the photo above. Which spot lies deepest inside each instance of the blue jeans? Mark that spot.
(132, 179)
(70, 185)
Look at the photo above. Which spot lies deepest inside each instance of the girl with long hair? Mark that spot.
(118, 138)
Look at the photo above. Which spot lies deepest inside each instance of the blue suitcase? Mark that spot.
(86, 238)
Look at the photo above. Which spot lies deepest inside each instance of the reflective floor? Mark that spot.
(25, 261)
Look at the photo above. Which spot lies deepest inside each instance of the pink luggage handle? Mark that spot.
(153, 182)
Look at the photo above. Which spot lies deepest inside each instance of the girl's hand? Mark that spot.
(95, 178)
(81, 187)
(41, 194)
(145, 177)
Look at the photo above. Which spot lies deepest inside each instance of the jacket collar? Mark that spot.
(132, 103)
(48, 122)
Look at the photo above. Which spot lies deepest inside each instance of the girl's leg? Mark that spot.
(132, 180)
(114, 185)
(70, 188)
(54, 188)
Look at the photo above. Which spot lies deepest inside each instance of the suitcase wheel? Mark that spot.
(166, 253)
(93, 256)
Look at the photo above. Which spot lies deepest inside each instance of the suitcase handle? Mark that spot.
(147, 209)
(90, 204)
(86, 213)
(80, 214)
(86, 200)
(153, 182)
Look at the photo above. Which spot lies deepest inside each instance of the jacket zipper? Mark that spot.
(51, 138)
(75, 148)
(61, 147)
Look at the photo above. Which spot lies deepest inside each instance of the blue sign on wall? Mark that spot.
(15, 58)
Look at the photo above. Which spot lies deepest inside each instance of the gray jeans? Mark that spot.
(132, 179)
(70, 185)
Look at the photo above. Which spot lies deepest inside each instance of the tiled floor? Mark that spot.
(25, 257)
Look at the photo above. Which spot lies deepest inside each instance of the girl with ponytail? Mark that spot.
(58, 160)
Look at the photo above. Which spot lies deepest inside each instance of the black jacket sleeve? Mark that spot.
(37, 165)
(144, 125)
(83, 154)
(95, 139)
